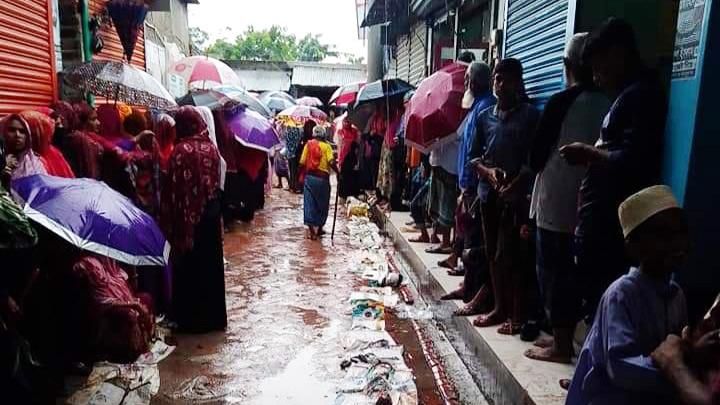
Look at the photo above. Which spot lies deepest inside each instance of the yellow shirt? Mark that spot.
(326, 156)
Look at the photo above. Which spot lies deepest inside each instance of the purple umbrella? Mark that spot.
(252, 130)
(93, 217)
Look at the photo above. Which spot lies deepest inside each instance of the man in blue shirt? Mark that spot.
(626, 158)
(478, 98)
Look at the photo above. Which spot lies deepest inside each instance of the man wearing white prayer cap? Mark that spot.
(639, 310)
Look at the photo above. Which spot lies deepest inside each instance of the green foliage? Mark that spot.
(198, 39)
(273, 44)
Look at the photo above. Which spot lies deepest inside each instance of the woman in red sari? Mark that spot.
(191, 219)
(42, 128)
(81, 146)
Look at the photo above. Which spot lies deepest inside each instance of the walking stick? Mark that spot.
(337, 197)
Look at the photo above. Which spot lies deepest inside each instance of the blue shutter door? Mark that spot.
(535, 33)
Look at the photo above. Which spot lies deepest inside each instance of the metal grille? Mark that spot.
(535, 34)
(418, 53)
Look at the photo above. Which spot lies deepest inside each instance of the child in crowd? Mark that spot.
(639, 310)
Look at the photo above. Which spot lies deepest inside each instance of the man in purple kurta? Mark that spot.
(638, 311)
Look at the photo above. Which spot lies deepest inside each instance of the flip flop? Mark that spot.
(467, 311)
(565, 384)
(484, 321)
(509, 328)
(456, 272)
(445, 264)
(439, 250)
(419, 240)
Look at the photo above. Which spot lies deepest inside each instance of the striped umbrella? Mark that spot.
(346, 95)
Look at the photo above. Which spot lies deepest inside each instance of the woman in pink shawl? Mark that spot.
(21, 161)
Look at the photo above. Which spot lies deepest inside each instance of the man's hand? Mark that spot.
(578, 153)
(669, 352)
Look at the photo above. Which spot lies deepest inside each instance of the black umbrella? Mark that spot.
(203, 98)
(381, 89)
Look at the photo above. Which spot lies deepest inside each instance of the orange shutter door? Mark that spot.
(27, 58)
(113, 49)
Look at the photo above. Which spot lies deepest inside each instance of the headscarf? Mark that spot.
(348, 135)
(193, 179)
(42, 128)
(111, 127)
(165, 135)
(28, 162)
(210, 122)
(64, 110)
(84, 148)
(15, 229)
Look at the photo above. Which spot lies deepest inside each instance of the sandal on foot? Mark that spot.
(439, 250)
(419, 240)
(509, 328)
(456, 272)
(467, 310)
(484, 321)
(445, 264)
(455, 295)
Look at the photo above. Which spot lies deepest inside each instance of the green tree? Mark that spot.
(198, 40)
(273, 44)
(310, 49)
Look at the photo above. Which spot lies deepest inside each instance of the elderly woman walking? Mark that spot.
(317, 159)
(191, 218)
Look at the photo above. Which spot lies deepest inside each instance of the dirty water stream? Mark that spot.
(288, 311)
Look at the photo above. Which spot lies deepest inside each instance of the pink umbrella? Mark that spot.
(201, 72)
(346, 95)
(309, 101)
(435, 111)
(302, 113)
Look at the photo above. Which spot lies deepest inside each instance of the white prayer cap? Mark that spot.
(575, 46)
(641, 206)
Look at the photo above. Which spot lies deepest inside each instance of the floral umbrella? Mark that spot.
(301, 114)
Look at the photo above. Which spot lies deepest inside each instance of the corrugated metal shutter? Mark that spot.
(27, 56)
(418, 53)
(403, 57)
(113, 49)
(535, 34)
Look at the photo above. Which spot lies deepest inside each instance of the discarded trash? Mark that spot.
(199, 388)
(410, 312)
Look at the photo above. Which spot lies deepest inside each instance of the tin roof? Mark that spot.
(327, 75)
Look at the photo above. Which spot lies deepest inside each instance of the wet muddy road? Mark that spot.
(287, 314)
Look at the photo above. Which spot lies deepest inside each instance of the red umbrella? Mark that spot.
(346, 95)
(435, 111)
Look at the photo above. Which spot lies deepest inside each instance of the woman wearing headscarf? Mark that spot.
(207, 116)
(165, 135)
(20, 160)
(191, 219)
(348, 184)
(317, 160)
(42, 129)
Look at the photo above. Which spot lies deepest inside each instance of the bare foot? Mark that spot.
(420, 239)
(544, 342)
(468, 310)
(455, 295)
(547, 354)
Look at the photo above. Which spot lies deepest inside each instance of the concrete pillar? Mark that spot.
(375, 54)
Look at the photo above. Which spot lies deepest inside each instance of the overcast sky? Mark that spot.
(334, 20)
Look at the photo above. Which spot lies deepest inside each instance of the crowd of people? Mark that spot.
(556, 219)
(63, 308)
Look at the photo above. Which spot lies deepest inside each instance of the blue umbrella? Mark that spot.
(91, 216)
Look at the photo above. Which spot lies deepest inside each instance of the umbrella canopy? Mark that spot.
(252, 130)
(435, 111)
(381, 89)
(310, 101)
(277, 104)
(91, 216)
(201, 72)
(15, 229)
(119, 81)
(277, 94)
(246, 98)
(346, 95)
(302, 113)
(203, 98)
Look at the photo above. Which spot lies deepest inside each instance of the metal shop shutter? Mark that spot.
(27, 56)
(113, 49)
(403, 57)
(418, 53)
(535, 34)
